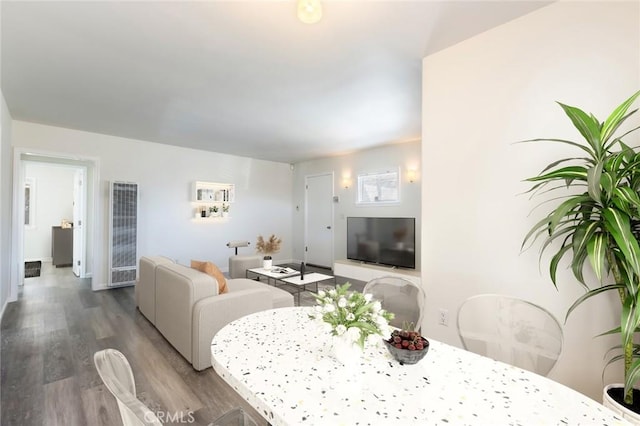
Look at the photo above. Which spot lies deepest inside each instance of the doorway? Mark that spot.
(84, 182)
(54, 215)
(319, 220)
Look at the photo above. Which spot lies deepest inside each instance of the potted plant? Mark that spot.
(598, 201)
(352, 318)
(268, 247)
(225, 210)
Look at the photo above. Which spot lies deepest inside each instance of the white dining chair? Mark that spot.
(116, 374)
(400, 296)
(510, 330)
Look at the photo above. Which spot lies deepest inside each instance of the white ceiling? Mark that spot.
(239, 77)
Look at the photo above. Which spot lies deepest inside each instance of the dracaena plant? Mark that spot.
(597, 200)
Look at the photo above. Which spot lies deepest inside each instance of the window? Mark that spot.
(379, 188)
(29, 202)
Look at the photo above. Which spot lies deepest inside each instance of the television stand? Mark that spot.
(363, 271)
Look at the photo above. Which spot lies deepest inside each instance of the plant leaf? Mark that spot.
(569, 172)
(593, 181)
(616, 117)
(617, 223)
(553, 266)
(596, 249)
(591, 293)
(566, 209)
(568, 142)
(587, 125)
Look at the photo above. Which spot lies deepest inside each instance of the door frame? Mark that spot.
(80, 199)
(17, 235)
(306, 214)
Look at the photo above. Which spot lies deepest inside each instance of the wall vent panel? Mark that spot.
(123, 233)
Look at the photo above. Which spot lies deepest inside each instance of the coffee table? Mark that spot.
(311, 278)
(271, 274)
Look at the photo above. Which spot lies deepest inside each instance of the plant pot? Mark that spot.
(267, 263)
(621, 410)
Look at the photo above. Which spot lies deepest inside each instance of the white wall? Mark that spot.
(478, 98)
(6, 192)
(165, 175)
(53, 201)
(389, 157)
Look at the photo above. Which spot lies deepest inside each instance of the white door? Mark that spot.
(319, 220)
(78, 222)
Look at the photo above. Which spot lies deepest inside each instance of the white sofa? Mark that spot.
(238, 265)
(188, 310)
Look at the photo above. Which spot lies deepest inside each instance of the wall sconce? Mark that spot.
(412, 175)
(346, 182)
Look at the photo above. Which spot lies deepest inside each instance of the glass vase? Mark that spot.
(346, 351)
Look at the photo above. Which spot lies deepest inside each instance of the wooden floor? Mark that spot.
(49, 337)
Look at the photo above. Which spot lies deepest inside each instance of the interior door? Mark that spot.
(319, 220)
(78, 222)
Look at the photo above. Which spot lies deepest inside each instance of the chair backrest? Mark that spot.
(510, 330)
(400, 296)
(116, 374)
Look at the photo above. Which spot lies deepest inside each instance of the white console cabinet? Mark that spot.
(366, 272)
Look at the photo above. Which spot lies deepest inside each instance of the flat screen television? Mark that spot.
(382, 240)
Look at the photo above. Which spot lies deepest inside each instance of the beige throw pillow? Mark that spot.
(211, 269)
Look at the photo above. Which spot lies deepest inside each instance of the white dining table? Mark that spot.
(280, 361)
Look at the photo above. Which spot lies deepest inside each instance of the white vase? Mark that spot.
(267, 264)
(346, 351)
(630, 416)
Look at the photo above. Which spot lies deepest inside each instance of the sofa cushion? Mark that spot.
(146, 285)
(280, 297)
(211, 269)
(238, 265)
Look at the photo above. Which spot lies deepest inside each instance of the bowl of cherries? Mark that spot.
(407, 346)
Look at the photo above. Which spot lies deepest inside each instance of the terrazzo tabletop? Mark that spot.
(281, 362)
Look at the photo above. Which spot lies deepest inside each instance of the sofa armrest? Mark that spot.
(212, 313)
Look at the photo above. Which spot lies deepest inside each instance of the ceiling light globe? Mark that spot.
(309, 11)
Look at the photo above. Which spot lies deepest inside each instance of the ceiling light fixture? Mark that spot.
(309, 11)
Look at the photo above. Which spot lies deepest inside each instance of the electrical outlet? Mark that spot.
(443, 318)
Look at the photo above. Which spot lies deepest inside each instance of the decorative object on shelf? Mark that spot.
(225, 210)
(407, 346)
(353, 317)
(594, 220)
(203, 212)
(268, 247)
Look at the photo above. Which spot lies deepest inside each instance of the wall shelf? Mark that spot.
(213, 193)
(206, 195)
